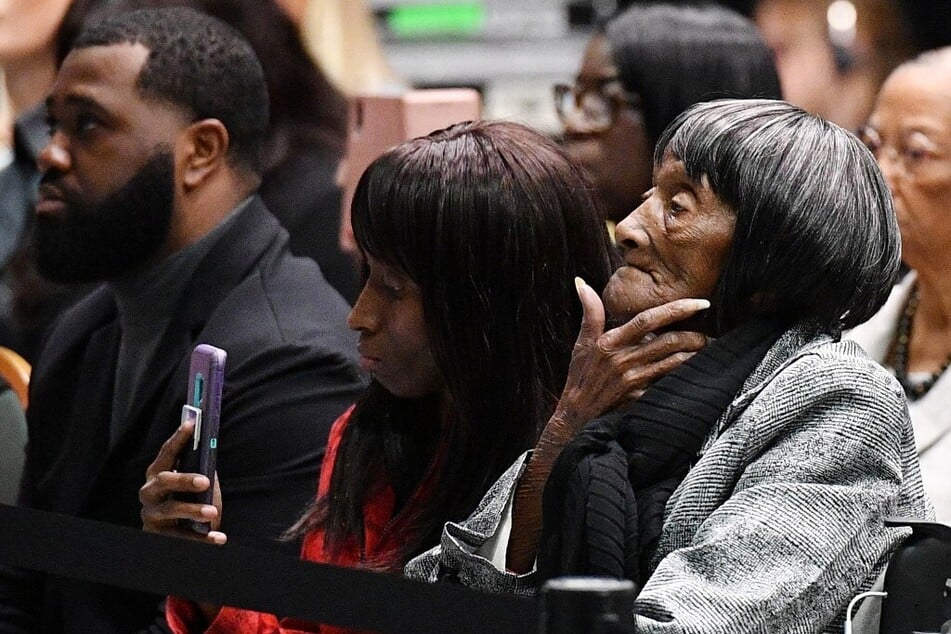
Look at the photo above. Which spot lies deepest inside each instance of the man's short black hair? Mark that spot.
(200, 64)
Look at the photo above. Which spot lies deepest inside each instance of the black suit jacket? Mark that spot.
(290, 372)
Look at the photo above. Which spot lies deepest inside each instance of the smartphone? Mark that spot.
(203, 406)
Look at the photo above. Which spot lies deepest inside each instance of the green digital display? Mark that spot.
(436, 18)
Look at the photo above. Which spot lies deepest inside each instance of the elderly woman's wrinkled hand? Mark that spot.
(614, 367)
(608, 369)
(161, 511)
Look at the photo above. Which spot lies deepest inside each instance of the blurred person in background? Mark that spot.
(832, 57)
(27, 53)
(28, 303)
(343, 38)
(910, 134)
(646, 66)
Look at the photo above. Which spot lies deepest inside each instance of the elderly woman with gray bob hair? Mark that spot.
(745, 490)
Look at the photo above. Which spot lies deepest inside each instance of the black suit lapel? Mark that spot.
(234, 256)
(85, 441)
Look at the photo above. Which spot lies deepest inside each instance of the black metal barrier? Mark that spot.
(257, 580)
(277, 584)
(917, 582)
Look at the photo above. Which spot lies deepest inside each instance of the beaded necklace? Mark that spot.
(898, 356)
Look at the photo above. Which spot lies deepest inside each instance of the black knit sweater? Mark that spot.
(603, 504)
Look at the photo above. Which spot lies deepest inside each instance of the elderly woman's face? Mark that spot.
(910, 134)
(674, 244)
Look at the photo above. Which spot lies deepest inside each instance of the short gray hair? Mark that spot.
(816, 236)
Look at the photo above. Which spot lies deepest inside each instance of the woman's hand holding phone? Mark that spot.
(161, 511)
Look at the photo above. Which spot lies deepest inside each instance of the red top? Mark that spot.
(379, 524)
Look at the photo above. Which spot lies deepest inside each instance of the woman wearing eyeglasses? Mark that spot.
(909, 132)
(646, 66)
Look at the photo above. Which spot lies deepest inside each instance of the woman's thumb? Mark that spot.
(592, 319)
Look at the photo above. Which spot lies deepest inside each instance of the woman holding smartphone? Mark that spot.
(472, 237)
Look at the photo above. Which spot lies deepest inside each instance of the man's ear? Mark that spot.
(204, 150)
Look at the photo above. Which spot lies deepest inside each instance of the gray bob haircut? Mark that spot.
(816, 237)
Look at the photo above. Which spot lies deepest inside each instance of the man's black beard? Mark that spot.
(100, 242)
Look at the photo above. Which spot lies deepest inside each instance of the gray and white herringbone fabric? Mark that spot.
(780, 522)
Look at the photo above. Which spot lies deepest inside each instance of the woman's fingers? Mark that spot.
(656, 347)
(168, 454)
(611, 368)
(166, 517)
(163, 510)
(157, 517)
(160, 507)
(160, 486)
(640, 377)
(217, 538)
(651, 320)
(592, 319)
(637, 366)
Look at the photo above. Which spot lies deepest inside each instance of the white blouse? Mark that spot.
(930, 414)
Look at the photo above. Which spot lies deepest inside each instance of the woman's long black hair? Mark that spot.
(493, 223)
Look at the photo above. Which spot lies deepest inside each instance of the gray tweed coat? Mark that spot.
(779, 523)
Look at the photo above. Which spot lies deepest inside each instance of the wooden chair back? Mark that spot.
(15, 370)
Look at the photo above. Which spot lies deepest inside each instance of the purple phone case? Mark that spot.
(205, 380)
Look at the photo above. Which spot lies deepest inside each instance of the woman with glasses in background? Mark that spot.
(909, 132)
(646, 66)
